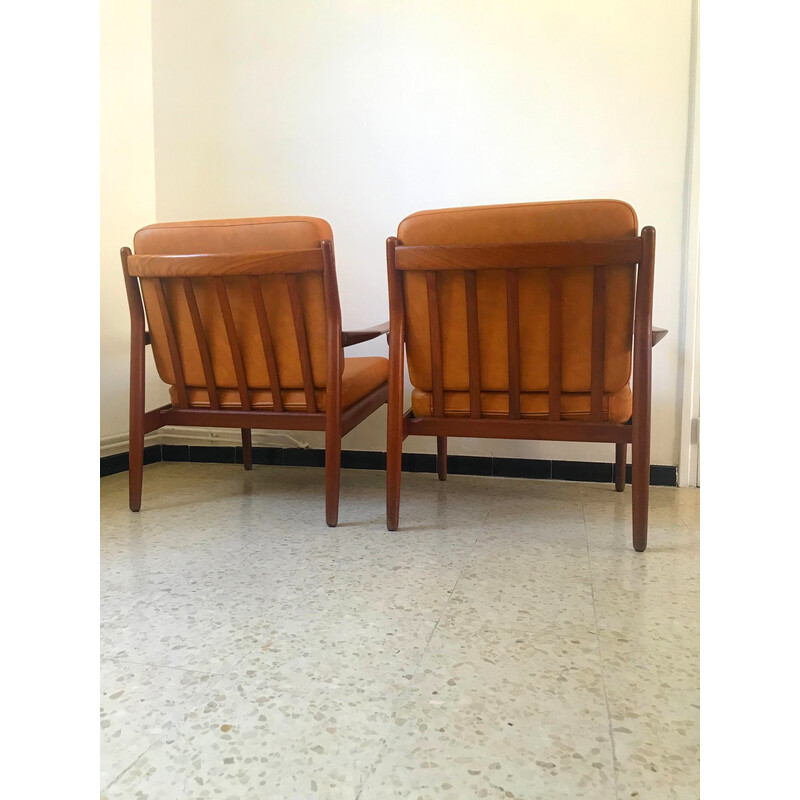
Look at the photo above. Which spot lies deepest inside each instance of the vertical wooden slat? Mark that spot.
(471, 287)
(202, 344)
(302, 340)
(556, 277)
(512, 314)
(437, 378)
(172, 343)
(266, 342)
(598, 343)
(233, 342)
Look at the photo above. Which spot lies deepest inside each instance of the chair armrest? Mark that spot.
(356, 337)
(657, 335)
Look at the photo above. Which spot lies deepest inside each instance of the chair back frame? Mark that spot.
(183, 268)
(554, 258)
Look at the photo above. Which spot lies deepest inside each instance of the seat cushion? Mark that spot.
(360, 377)
(617, 406)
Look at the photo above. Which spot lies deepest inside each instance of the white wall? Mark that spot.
(127, 195)
(362, 112)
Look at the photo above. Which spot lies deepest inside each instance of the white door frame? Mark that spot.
(689, 332)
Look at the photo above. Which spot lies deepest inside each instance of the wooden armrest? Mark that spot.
(657, 335)
(356, 337)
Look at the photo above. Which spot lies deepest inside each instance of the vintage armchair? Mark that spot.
(244, 320)
(521, 322)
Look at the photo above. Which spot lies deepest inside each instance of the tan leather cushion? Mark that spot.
(231, 235)
(617, 407)
(587, 220)
(236, 236)
(360, 377)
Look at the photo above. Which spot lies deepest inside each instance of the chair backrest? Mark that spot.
(533, 297)
(239, 304)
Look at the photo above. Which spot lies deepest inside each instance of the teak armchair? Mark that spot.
(244, 320)
(520, 322)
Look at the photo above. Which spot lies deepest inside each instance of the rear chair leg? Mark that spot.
(619, 467)
(247, 448)
(441, 457)
(640, 480)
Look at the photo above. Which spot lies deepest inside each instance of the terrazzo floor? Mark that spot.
(506, 642)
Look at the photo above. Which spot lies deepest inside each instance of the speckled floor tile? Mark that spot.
(248, 741)
(139, 705)
(188, 631)
(500, 715)
(481, 599)
(506, 641)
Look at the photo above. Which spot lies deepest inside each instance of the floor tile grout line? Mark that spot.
(398, 701)
(600, 656)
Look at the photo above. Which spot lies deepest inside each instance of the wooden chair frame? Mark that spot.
(554, 257)
(334, 421)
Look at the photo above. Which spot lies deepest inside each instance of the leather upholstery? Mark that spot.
(237, 236)
(583, 220)
(360, 377)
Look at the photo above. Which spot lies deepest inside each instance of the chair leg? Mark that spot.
(247, 448)
(135, 467)
(333, 470)
(394, 460)
(136, 424)
(441, 457)
(640, 480)
(394, 455)
(619, 466)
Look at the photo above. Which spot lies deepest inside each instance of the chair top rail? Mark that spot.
(269, 262)
(519, 255)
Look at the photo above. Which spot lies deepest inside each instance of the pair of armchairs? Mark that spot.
(518, 321)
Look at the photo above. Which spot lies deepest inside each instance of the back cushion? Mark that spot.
(582, 220)
(236, 236)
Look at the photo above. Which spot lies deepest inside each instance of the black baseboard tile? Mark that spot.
(585, 471)
(265, 456)
(469, 465)
(659, 475)
(212, 455)
(119, 462)
(522, 468)
(538, 469)
(418, 462)
(363, 459)
(175, 452)
(298, 457)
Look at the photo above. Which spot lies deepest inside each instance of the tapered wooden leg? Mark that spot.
(640, 480)
(441, 457)
(333, 470)
(394, 459)
(136, 426)
(247, 448)
(394, 448)
(619, 466)
(135, 466)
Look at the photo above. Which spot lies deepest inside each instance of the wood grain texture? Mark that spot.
(210, 265)
(535, 254)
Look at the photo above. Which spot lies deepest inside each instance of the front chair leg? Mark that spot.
(619, 467)
(135, 468)
(441, 457)
(247, 448)
(333, 470)
(394, 459)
